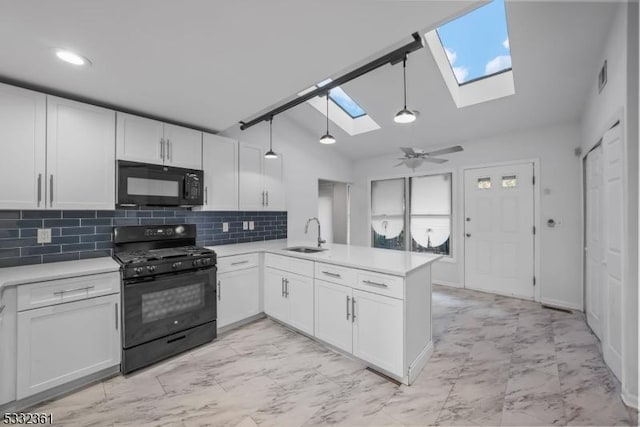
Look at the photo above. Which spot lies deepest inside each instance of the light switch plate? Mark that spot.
(44, 235)
(245, 225)
(225, 227)
(251, 225)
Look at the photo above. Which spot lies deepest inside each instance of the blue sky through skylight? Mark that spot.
(344, 101)
(477, 44)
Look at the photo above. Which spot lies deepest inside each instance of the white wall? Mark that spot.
(325, 210)
(560, 247)
(340, 213)
(305, 161)
(619, 101)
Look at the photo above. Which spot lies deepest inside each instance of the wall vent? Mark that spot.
(602, 77)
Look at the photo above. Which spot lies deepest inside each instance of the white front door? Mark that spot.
(612, 149)
(594, 251)
(499, 233)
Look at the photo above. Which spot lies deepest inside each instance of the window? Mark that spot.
(387, 214)
(510, 181)
(428, 221)
(477, 44)
(430, 214)
(344, 101)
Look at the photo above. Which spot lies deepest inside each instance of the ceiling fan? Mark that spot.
(415, 157)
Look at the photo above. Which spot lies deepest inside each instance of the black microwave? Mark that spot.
(142, 184)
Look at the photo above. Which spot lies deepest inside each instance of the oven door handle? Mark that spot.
(153, 279)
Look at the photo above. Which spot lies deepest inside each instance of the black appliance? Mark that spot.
(168, 292)
(142, 184)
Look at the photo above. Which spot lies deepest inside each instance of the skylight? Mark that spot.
(477, 44)
(344, 101)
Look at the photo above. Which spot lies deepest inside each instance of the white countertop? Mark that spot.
(13, 276)
(398, 263)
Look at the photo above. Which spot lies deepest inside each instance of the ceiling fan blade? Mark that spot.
(434, 160)
(447, 150)
(408, 151)
(399, 164)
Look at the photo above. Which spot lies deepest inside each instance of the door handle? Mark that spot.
(353, 310)
(169, 150)
(86, 288)
(468, 234)
(286, 288)
(51, 190)
(116, 316)
(161, 148)
(328, 273)
(369, 282)
(263, 198)
(206, 195)
(348, 307)
(39, 188)
(282, 287)
(267, 197)
(240, 262)
(219, 291)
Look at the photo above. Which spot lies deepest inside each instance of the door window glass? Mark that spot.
(387, 214)
(509, 181)
(430, 214)
(484, 183)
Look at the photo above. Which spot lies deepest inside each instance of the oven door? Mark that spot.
(167, 304)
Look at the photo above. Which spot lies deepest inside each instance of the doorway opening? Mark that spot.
(334, 211)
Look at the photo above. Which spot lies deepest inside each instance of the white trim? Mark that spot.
(447, 284)
(629, 399)
(537, 291)
(419, 363)
(560, 304)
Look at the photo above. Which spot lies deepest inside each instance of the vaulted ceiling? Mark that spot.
(214, 63)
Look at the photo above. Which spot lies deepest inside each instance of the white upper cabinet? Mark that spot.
(251, 197)
(149, 141)
(22, 148)
(261, 180)
(273, 184)
(183, 147)
(80, 155)
(220, 164)
(140, 139)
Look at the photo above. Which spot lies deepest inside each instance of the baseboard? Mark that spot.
(629, 399)
(239, 323)
(416, 367)
(448, 284)
(560, 304)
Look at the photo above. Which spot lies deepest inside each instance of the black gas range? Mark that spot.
(168, 292)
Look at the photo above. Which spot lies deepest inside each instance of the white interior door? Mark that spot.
(499, 234)
(612, 149)
(594, 251)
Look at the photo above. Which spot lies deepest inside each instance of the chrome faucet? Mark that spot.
(306, 230)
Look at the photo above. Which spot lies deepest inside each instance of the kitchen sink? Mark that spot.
(305, 249)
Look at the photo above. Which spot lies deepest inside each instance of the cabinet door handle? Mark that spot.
(348, 307)
(86, 288)
(116, 316)
(240, 262)
(369, 282)
(161, 148)
(282, 287)
(39, 188)
(263, 198)
(51, 190)
(286, 288)
(267, 197)
(169, 150)
(206, 195)
(219, 291)
(328, 273)
(353, 310)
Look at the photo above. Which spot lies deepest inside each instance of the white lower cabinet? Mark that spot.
(378, 330)
(65, 342)
(238, 295)
(333, 315)
(288, 297)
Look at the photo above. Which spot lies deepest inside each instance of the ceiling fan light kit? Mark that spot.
(415, 158)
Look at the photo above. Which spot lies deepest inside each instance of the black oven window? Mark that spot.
(168, 303)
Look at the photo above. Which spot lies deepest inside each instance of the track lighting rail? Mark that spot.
(390, 58)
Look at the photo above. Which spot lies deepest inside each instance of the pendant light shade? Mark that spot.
(327, 138)
(270, 154)
(405, 115)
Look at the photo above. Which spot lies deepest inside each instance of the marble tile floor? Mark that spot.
(497, 361)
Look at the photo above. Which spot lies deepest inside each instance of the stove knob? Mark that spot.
(151, 268)
(137, 270)
(197, 262)
(176, 265)
(206, 261)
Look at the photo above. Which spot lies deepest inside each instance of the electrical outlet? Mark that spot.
(251, 225)
(44, 235)
(225, 227)
(245, 225)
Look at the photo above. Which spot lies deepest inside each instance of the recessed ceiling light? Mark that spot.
(71, 57)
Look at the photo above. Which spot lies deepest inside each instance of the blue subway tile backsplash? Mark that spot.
(88, 234)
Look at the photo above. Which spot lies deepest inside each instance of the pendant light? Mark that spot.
(270, 154)
(327, 138)
(405, 115)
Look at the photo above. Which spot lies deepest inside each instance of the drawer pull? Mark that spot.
(328, 273)
(86, 288)
(369, 282)
(240, 262)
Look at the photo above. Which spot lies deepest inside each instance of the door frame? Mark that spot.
(537, 292)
